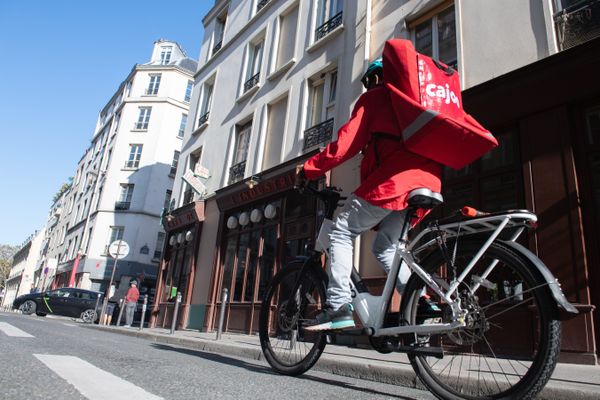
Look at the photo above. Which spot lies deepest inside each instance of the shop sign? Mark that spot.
(263, 189)
(194, 181)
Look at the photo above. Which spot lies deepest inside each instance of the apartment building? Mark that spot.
(21, 276)
(276, 79)
(123, 181)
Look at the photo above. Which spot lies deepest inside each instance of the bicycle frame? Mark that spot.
(371, 309)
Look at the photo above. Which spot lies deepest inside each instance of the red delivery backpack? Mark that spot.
(427, 102)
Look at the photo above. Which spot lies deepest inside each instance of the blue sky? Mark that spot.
(61, 62)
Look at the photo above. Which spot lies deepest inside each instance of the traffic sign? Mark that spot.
(118, 249)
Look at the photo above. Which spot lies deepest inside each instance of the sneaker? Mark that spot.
(329, 319)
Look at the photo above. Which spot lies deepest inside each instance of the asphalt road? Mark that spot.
(56, 358)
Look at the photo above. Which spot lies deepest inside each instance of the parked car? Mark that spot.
(70, 302)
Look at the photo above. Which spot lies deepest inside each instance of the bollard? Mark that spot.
(222, 312)
(121, 307)
(143, 312)
(175, 312)
(96, 310)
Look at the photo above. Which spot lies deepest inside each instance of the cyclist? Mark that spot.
(388, 172)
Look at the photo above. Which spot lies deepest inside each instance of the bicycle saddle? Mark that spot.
(424, 198)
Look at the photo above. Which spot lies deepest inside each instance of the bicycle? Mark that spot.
(472, 267)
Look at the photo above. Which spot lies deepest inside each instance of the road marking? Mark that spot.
(91, 381)
(10, 330)
(64, 323)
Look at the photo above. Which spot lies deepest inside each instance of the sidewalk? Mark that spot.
(569, 381)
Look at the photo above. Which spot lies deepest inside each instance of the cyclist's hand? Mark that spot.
(300, 181)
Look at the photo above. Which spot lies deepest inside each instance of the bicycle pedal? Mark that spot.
(436, 352)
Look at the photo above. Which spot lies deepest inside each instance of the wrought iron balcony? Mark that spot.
(173, 170)
(318, 134)
(188, 196)
(151, 91)
(122, 205)
(140, 126)
(578, 23)
(236, 172)
(217, 47)
(261, 4)
(328, 26)
(132, 164)
(203, 118)
(157, 255)
(250, 83)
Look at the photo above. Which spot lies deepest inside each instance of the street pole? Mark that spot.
(143, 311)
(112, 276)
(175, 312)
(222, 312)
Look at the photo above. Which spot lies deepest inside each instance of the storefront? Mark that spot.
(263, 226)
(178, 265)
(547, 118)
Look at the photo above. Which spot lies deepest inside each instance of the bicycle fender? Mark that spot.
(543, 270)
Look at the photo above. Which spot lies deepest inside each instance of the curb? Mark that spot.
(338, 365)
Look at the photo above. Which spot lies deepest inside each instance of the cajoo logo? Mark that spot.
(442, 92)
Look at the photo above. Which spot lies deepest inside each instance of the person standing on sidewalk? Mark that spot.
(131, 298)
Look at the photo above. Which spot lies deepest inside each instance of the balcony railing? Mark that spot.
(236, 172)
(328, 26)
(157, 255)
(261, 4)
(318, 134)
(203, 118)
(173, 170)
(131, 164)
(122, 205)
(217, 47)
(250, 83)
(140, 126)
(151, 91)
(578, 23)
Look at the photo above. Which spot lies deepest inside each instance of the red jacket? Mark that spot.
(132, 296)
(388, 171)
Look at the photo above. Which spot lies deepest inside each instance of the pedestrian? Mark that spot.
(388, 173)
(131, 299)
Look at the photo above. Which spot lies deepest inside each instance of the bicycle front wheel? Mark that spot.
(510, 344)
(287, 347)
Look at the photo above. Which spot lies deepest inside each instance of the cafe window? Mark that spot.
(249, 253)
(492, 183)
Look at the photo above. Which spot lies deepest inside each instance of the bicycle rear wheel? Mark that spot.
(510, 344)
(288, 348)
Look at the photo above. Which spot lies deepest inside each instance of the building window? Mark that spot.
(329, 17)
(160, 242)
(435, 35)
(321, 103)
(253, 65)
(275, 133)
(152, 89)
(242, 142)
(125, 196)
(128, 88)
(116, 123)
(167, 203)
(174, 163)
(288, 24)
(135, 153)
(188, 91)
(115, 233)
(491, 184)
(165, 54)
(182, 125)
(220, 23)
(576, 21)
(207, 91)
(143, 118)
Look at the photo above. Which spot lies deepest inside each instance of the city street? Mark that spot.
(56, 358)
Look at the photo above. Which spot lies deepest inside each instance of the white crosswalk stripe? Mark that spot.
(12, 331)
(93, 382)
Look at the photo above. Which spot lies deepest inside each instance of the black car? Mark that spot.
(70, 302)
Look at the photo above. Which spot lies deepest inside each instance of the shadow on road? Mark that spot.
(266, 370)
